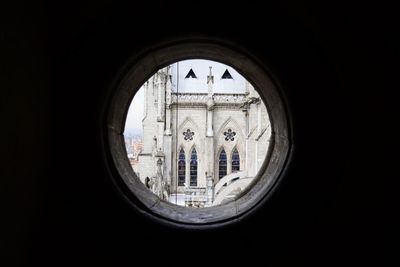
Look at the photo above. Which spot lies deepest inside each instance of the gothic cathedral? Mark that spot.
(206, 133)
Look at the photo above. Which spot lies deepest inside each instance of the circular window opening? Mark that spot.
(198, 134)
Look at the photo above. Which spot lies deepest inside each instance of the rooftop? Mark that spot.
(193, 77)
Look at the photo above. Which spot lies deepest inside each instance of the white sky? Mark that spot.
(135, 112)
(201, 69)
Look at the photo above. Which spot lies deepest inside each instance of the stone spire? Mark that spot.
(210, 82)
(168, 86)
(168, 100)
(210, 104)
(160, 93)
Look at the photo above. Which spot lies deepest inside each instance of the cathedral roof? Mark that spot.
(193, 77)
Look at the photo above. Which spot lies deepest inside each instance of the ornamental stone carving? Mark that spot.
(188, 135)
(230, 135)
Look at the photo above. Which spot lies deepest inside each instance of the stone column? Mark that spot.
(259, 128)
(160, 107)
(159, 187)
(146, 88)
(168, 159)
(160, 96)
(256, 158)
(258, 117)
(209, 157)
(209, 190)
(247, 132)
(168, 103)
(210, 104)
(210, 131)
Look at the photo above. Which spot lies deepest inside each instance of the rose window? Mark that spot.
(229, 135)
(188, 135)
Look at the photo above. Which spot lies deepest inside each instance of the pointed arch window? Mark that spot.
(193, 168)
(222, 164)
(235, 160)
(181, 168)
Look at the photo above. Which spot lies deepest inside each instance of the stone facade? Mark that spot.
(194, 132)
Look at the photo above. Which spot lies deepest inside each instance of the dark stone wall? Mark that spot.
(60, 207)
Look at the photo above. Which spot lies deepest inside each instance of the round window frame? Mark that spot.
(138, 70)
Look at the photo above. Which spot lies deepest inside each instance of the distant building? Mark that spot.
(133, 146)
(137, 149)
